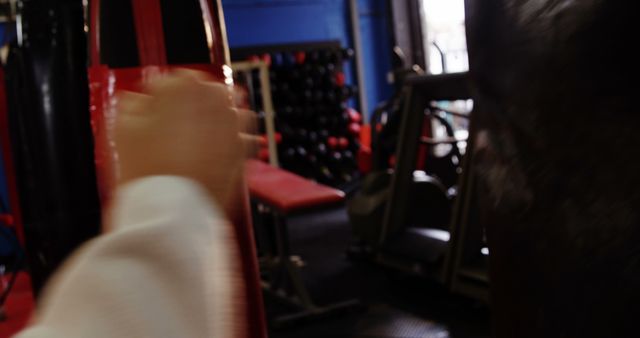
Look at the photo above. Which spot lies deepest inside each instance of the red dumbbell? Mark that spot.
(264, 142)
(354, 116)
(343, 143)
(267, 59)
(332, 142)
(263, 154)
(341, 79)
(300, 57)
(354, 128)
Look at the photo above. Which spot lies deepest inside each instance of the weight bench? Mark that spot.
(286, 194)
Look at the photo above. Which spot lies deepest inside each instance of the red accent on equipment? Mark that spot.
(423, 149)
(105, 82)
(365, 135)
(5, 142)
(364, 159)
(364, 153)
(148, 17)
(18, 306)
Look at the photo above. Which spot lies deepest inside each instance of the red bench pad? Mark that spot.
(287, 191)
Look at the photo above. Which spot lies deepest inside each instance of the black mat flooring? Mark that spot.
(394, 305)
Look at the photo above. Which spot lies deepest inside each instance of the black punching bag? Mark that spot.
(47, 94)
(556, 93)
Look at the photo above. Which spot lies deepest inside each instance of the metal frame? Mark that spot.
(357, 47)
(469, 281)
(267, 102)
(408, 31)
(420, 91)
(283, 273)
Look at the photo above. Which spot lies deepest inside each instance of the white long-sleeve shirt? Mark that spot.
(167, 268)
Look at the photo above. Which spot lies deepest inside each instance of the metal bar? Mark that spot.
(441, 140)
(450, 111)
(94, 31)
(150, 34)
(357, 47)
(222, 32)
(408, 30)
(451, 86)
(459, 218)
(407, 148)
(267, 104)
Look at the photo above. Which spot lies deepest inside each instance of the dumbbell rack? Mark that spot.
(317, 131)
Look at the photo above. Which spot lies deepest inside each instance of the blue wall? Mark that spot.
(260, 22)
(375, 30)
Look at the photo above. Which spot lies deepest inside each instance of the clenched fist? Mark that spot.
(182, 125)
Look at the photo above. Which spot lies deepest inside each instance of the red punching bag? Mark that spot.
(131, 42)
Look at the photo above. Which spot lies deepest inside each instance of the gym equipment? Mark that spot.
(434, 179)
(285, 194)
(243, 71)
(385, 119)
(320, 133)
(132, 41)
(277, 194)
(421, 215)
(401, 245)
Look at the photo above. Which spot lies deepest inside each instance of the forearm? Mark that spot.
(167, 268)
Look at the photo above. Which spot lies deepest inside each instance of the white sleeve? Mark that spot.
(168, 268)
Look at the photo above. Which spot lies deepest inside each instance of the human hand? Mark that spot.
(184, 124)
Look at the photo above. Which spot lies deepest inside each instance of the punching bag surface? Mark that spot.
(47, 91)
(556, 96)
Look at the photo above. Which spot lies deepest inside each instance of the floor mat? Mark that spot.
(397, 306)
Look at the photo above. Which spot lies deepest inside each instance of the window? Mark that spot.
(445, 39)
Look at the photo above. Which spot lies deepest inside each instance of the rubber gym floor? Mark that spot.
(394, 305)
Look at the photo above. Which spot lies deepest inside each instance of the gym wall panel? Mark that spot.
(285, 21)
(262, 22)
(376, 34)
